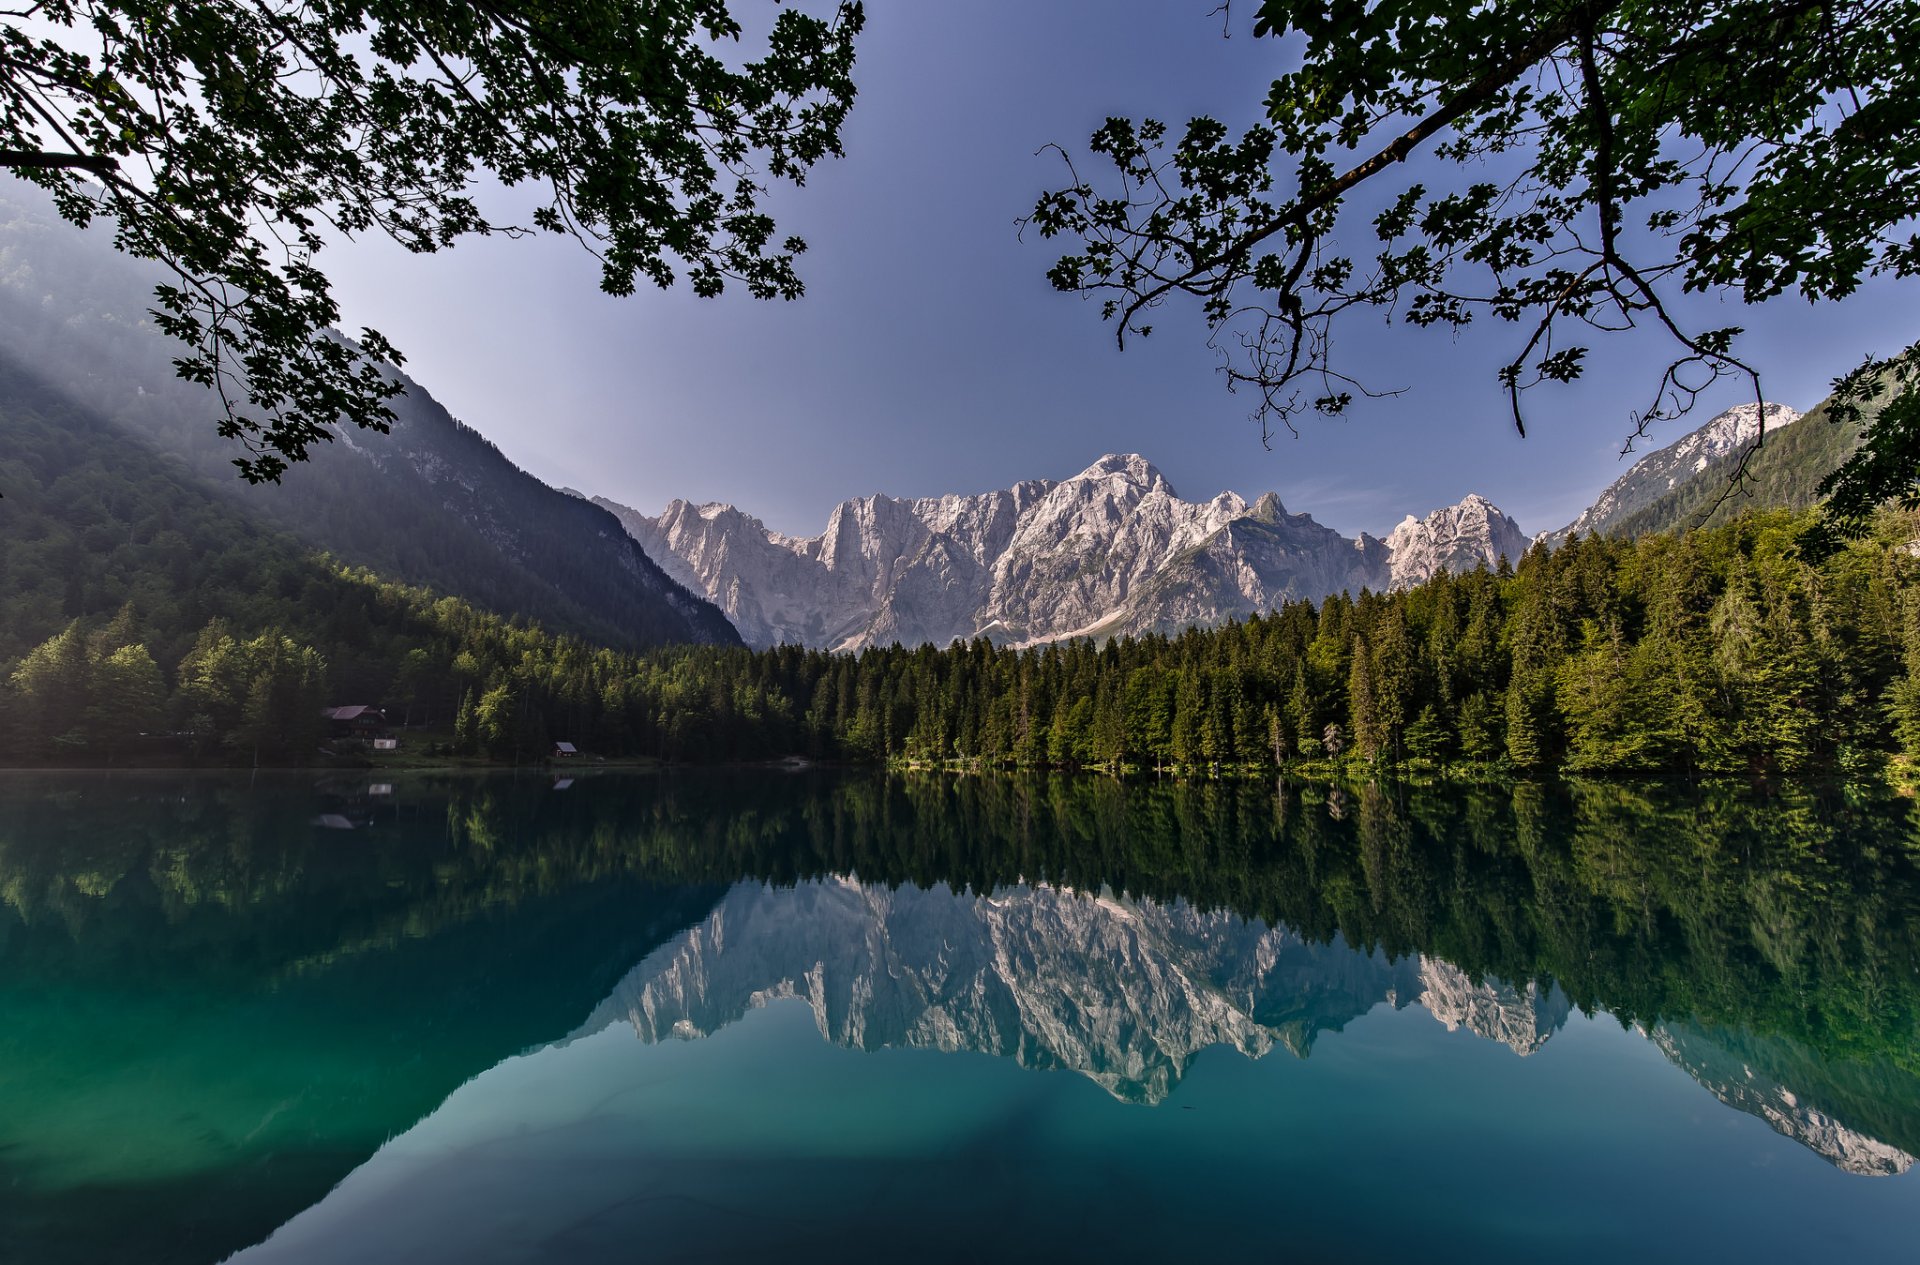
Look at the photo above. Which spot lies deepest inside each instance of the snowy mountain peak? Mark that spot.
(1128, 466)
(1111, 550)
(1738, 425)
(1457, 538)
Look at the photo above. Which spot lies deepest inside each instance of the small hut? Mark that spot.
(359, 720)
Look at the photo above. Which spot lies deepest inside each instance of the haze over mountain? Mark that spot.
(1110, 550)
(433, 503)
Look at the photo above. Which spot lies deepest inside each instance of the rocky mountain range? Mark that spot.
(1111, 550)
(1114, 550)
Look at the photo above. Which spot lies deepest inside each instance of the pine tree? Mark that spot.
(1482, 736)
(1363, 713)
(1903, 696)
(1189, 716)
(1526, 745)
(1392, 678)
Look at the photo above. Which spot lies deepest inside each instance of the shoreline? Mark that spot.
(1898, 774)
(591, 766)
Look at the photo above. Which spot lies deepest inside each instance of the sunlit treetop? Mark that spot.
(229, 139)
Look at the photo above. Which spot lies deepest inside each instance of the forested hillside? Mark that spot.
(433, 503)
(1728, 650)
(136, 601)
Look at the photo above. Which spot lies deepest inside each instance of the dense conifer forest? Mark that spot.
(1738, 649)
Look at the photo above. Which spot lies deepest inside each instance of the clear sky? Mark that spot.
(931, 356)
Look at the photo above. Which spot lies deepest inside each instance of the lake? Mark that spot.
(815, 1015)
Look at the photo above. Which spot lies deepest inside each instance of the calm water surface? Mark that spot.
(794, 1017)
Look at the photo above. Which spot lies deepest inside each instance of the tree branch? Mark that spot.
(1477, 93)
(33, 159)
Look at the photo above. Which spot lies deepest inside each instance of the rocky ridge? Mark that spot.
(1111, 550)
(1520, 1018)
(1660, 472)
(1457, 538)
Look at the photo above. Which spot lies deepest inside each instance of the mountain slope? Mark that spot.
(1672, 486)
(1249, 566)
(93, 524)
(1784, 474)
(1110, 550)
(1855, 1114)
(432, 504)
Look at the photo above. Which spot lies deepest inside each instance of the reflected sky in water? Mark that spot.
(729, 1015)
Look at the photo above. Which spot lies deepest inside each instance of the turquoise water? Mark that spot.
(804, 1017)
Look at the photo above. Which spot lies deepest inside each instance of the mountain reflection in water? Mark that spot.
(218, 1009)
(1123, 992)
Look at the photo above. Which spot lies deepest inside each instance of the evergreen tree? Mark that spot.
(1363, 712)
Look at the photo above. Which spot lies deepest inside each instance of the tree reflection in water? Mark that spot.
(303, 993)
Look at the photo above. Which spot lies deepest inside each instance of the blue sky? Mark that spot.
(931, 356)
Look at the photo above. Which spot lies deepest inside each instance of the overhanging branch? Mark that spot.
(1477, 93)
(38, 160)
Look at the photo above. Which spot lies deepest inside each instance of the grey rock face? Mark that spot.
(1519, 1018)
(1111, 550)
(1251, 565)
(1458, 538)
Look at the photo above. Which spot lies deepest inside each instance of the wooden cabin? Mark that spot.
(359, 720)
